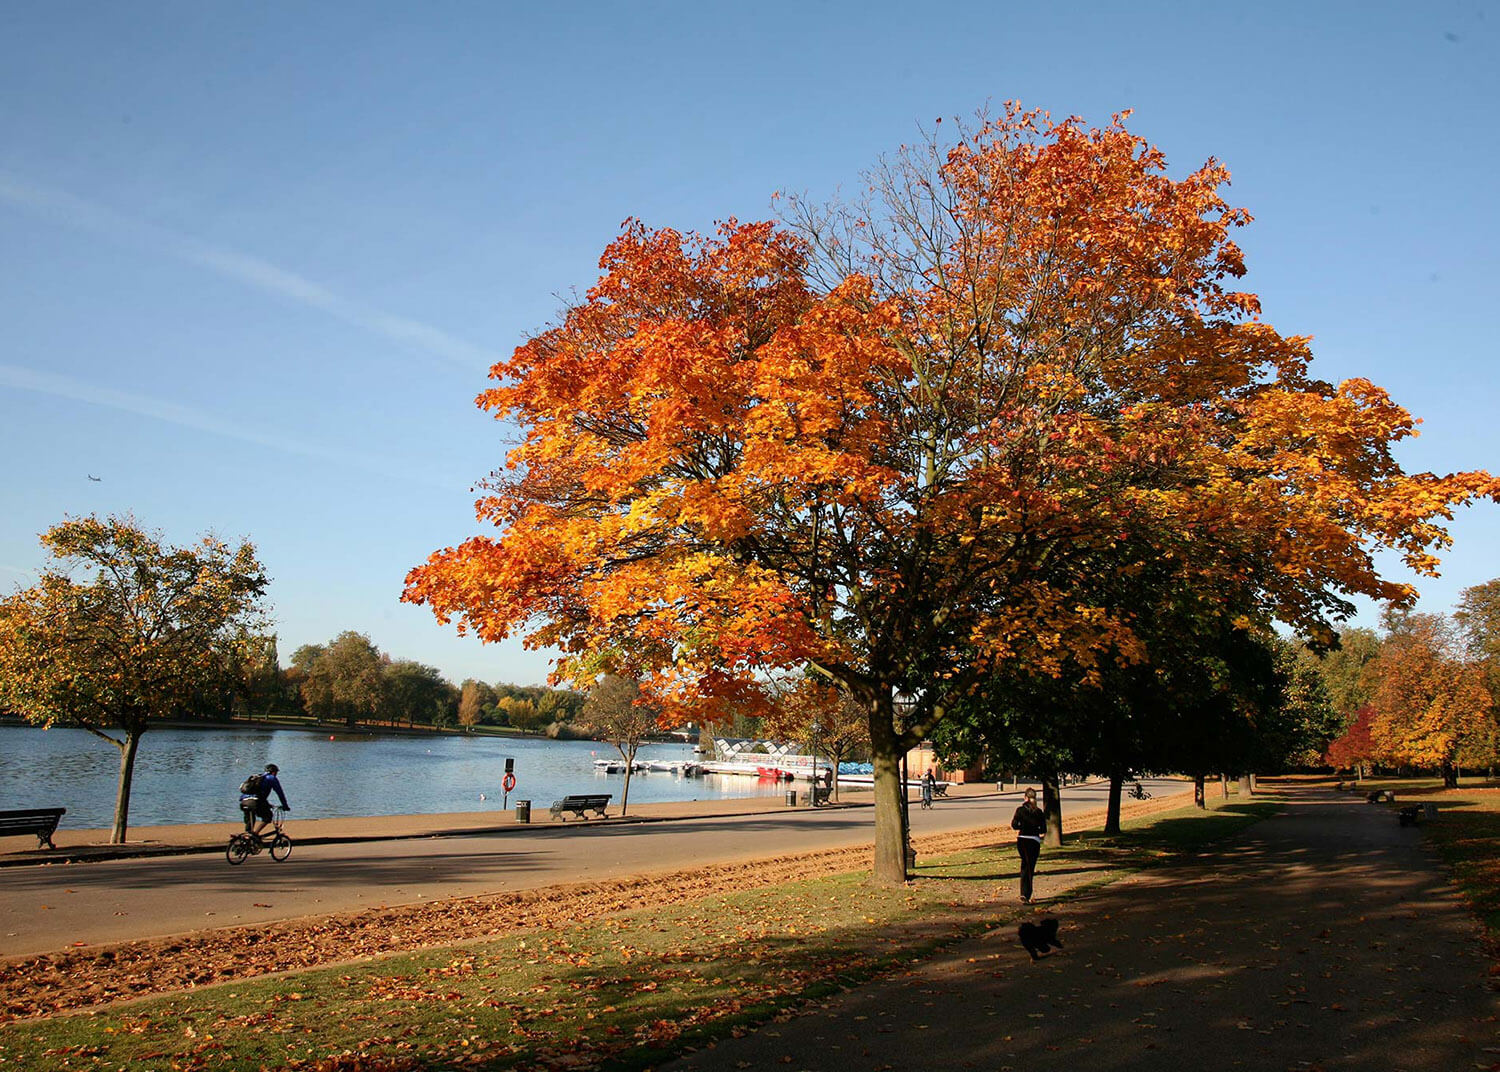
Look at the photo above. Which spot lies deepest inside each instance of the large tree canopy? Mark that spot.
(887, 443)
(123, 630)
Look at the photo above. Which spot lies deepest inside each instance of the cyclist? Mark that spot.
(258, 807)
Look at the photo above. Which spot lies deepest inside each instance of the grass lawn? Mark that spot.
(623, 992)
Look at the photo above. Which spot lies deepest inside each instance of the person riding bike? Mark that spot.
(257, 808)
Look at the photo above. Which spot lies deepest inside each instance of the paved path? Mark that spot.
(110, 900)
(1325, 938)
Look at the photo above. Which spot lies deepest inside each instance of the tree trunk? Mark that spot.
(122, 792)
(834, 759)
(890, 816)
(1198, 794)
(1450, 775)
(1112, 811)
(1052, 805)
(1247, 787)
(1224, 786)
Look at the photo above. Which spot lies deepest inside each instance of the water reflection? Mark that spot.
(191, 775)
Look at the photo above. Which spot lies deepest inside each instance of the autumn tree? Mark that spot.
(123, 630)
(1432, 707)
(617, 712)
(474, 698)
(520, 713)
(1355, 749)
(828, 722)
(886, 442)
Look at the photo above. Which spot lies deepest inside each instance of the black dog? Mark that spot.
(1038, 938)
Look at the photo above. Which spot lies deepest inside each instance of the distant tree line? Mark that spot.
(350, 681)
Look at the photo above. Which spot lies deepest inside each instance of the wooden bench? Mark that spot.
(821, 795)
(578, 805)
(39, 821)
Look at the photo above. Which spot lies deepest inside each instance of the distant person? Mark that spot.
(256, 804)
(1029, 823)
(929, 783)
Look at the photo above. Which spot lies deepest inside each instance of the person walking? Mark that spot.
(257, 804)
(928, 784)
(1029, 823)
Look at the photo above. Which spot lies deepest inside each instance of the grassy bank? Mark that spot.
(622, 991)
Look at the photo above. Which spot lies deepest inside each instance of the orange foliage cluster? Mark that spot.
(1429, 702)
(723, 464)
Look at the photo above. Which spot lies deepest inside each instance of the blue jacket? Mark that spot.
(268, 782)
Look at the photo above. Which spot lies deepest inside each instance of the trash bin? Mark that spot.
(523, 811)
(1429, 809)
(791, 798)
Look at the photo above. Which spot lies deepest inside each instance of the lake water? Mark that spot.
(192, 775)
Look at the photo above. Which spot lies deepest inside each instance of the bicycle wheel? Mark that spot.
(237, 850)
(281, 847)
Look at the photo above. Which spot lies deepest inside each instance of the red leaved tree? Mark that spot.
(1355, 748)
(887, 446)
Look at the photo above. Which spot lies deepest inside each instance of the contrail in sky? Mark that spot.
(76, 390)
(75, 212)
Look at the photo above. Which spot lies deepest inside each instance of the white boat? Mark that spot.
(617, 766)
(643, 766)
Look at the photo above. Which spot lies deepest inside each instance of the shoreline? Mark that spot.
(180, 838)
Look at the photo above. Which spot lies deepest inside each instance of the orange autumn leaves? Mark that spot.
(889, 441)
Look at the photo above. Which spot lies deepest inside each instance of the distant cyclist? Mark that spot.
(257, 804)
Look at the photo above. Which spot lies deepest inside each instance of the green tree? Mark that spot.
(344, 680)
(1343, 667)
(414, 692)
(124, 630)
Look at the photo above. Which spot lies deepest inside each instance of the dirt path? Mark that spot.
(1326, 938)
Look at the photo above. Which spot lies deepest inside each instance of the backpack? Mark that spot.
(250, 787)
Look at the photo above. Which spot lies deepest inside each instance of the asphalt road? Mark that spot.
(50, 907)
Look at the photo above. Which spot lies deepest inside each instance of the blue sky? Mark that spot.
(257, 258)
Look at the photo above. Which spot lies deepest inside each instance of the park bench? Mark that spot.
(1413, 814)
(821, 795)
(1381, 794)
(578, 805)
(39, 821)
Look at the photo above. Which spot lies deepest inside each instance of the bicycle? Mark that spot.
(245, 843)
(1139, 792)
